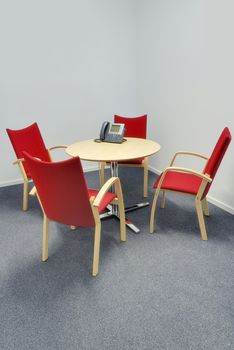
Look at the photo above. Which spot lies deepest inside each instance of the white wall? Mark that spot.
(185, 80)
(69, 65)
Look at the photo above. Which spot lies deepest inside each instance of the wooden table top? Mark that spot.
(112, 152)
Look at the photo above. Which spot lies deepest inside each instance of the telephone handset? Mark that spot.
(103, 131)
(112, 132)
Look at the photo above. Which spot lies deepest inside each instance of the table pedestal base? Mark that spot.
(113, 209)
(113, 212)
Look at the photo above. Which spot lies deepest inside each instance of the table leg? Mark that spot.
(136, 206)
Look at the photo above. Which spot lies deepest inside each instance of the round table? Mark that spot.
(113, 153)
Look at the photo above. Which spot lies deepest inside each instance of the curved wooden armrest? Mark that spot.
(186, 170)
(187, 153)
(104, 189)
(56, 147)
(18, 161)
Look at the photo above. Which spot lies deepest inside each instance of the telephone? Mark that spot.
(112, 132)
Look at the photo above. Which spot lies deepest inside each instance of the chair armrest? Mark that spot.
(18, 161)
(112, 181)
(189, 171)
(56, 147)
(187, 153)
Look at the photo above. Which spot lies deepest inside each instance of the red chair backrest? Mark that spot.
(135, 127)
(217, 155)
(30, 140)
(62, 190)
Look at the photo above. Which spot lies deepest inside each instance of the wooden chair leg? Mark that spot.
(45, 238)
(152, 214)
(122, 224)
(121, 212)
(102, 173)
(145, 194)
(205, 207)
(96, 250)
(163, 199)
(201, 219)
(25, 195)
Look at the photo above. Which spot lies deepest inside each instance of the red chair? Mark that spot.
(135, 127)
(188, 181)
(29, 139)
(65, 198)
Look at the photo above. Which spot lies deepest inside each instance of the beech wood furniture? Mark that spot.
(29, 139)
(134, 127)
(133, 148)
(65, 198)
(188, 181)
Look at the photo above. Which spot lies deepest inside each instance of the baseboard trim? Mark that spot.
(210, 199)
(91, 168)
(11, 182)
(221, 205)
(154, 170)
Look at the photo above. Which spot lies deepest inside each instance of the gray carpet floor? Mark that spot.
(165, 291)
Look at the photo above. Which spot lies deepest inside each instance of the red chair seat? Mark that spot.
(106, 200)
(191, 184)
(180, 182)
(133, 161)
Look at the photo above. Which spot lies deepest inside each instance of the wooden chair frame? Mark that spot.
(94, 202)
(143, 165)
(199, 202)
(25, 177)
